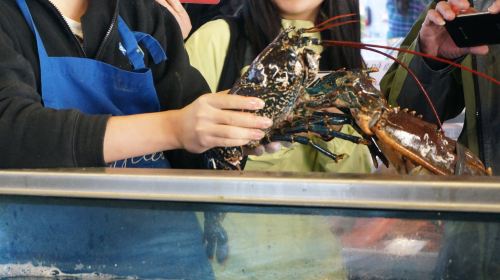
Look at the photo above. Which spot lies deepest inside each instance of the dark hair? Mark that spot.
(262, 23)
(403, 6)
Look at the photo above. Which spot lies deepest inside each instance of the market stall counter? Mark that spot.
(152, 224)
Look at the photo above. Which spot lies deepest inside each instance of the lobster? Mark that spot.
(284, 76)
(278, 75)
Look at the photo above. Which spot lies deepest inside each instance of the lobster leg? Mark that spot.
(320, 123)
(320, 116)
(375, 151)
(327, 134)
(307, 141)
(215, 236)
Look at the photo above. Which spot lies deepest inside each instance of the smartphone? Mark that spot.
(470, 30)
(211, 2)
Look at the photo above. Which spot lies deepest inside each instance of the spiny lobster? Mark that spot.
(282, 75)
(278, 75)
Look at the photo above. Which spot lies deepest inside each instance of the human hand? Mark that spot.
(269, 148)
(435, 40)
(212, 121)
(495, 7)
(177, 10)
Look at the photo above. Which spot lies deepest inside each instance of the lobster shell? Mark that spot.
(424, 144)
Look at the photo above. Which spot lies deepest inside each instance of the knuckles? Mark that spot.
(205, 143)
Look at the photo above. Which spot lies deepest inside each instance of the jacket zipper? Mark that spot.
(108, 33)
(68, 29)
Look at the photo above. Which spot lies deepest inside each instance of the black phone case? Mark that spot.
(475, 30)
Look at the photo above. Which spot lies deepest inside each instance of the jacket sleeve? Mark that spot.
(178, 83)
(32, 136)
(443, 83)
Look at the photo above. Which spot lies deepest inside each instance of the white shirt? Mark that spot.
(75, 26)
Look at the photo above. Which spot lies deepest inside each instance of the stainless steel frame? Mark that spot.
(468, 194)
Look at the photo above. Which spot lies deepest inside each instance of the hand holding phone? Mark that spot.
(435, 39)
(476, 29)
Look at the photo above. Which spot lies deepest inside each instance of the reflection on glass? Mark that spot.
(389, 248)
(101, 239)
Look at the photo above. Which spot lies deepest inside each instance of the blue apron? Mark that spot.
(94, 87)
(112, 237)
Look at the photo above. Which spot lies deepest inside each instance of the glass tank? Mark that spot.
(168, 224)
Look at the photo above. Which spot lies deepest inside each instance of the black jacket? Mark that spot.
(32, 136)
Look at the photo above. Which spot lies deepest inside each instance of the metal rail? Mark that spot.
(432, 193)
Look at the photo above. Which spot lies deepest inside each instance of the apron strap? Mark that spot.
(131, 40)
(42, 53)
(153, 46)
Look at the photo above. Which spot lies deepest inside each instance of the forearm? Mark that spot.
(213, 120)
(36, 137)
(137, 135)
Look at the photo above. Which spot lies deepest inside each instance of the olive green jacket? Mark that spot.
(451, 90)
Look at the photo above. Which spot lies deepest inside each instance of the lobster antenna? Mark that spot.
(319, 27)
(443, 60)
(331, 25)
(323, 26)
(419, 84)
(414, 76)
